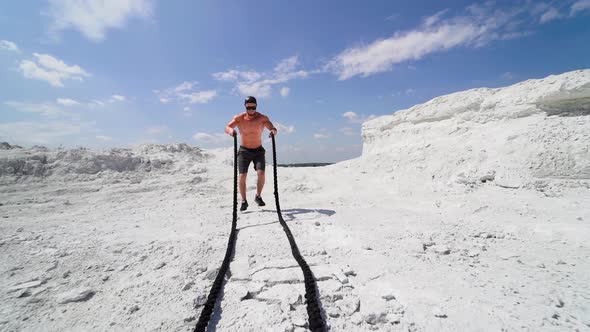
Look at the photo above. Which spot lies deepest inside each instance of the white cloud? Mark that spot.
(231, 75)
(480, 25)
(8, 45)
(67, 102)
(184, 86)
(260, 85)
(409, 91)
(349, 131)
(580, 6)
(507, 76)
(200, 97)
(45, 109)
(115, 98)
(61, 107)
(320, 136)
(185, 93)
(26, 133)
(550, 15)
(258, 89)
(94, 17)
(103, 138)
(285, 129)
(236, 75)
(211, 138)
(432, 20)
(287, 65)
(95, 103)
(350, 115)
(285, 91)
(355, 118)
(381, 55)
(52, 63)
(50, 69)
(155, 130)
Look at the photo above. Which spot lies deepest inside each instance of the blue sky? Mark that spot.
(105, 73)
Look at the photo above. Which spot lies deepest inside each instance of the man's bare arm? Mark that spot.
(270, 126)
(229, 129)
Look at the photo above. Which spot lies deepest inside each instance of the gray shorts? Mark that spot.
(247, 155)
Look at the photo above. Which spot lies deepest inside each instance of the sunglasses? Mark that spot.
(250, 108)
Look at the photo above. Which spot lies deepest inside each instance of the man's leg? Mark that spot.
(242, 185)
(260, 183)
(244, 160)
(259, 166)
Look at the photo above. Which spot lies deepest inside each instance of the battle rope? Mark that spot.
(316, 321)
(218, 283)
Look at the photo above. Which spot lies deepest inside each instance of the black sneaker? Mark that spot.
(259, 201)
(244, 206)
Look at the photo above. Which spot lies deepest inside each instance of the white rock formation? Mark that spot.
(534, 134)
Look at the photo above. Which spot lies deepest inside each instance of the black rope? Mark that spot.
(316, 321)
(218, 283)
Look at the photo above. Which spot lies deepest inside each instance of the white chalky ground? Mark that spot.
(466, 213)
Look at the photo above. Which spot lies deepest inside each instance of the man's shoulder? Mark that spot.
(240, 116)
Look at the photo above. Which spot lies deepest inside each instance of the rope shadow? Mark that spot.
(217, 312)
(291, 213)
(315, 311)
(257, 225)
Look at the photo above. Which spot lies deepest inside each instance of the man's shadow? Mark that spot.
(291, 214)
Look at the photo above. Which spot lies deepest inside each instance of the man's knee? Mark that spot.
(243, 176)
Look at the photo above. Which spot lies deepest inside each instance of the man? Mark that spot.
(251, 125)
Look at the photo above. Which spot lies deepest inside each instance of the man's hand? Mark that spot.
(273, 132)
(231, 132)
